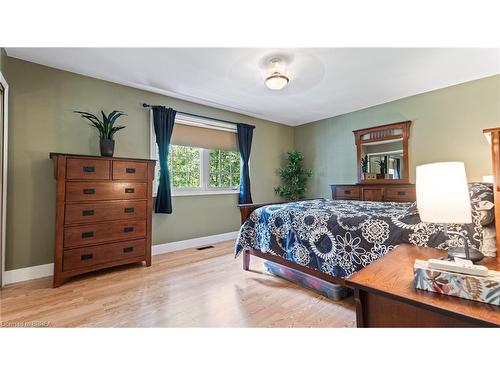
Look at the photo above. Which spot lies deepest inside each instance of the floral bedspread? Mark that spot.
(341, 237)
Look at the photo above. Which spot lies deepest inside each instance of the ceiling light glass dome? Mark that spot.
(276, 81)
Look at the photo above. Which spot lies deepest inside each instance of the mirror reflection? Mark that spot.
(382, 160)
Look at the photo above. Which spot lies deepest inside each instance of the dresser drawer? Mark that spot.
(373, 194)
(80, 213)
(129, 170)
(87, 169)
(103, 232)
(400, 194)
(347, 192)
(94, 191)
(93, 255)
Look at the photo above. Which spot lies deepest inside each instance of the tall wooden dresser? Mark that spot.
(103, 213)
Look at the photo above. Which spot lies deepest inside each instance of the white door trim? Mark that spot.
(5, 139)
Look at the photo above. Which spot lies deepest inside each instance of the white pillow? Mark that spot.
(485, 209)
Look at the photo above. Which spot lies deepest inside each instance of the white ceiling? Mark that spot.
(324, 82)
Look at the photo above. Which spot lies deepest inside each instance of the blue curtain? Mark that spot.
(163, 120)
(245, 134)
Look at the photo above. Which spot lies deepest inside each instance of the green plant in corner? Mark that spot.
(106, 128)
(294, 177)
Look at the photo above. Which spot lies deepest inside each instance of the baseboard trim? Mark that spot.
(28, 273)
(44, 270)
(194, 242)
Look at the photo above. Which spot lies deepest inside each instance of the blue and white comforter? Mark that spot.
(341, 237)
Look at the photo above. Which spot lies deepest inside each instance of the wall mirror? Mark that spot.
(382, 153)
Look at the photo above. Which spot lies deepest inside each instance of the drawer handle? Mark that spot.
(347, 192)
(88, 213)
(89, 191)
(128, 249)
(86, 256)
(401, 192)
(88, 169)
(129, 210)
(129, 190)
(130, 170)
(128, 229)
(87, 234)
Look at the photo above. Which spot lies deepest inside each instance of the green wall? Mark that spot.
(447, 125)
(41, 120)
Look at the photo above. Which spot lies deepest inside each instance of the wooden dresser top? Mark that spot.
(392, 276)
(53, 155)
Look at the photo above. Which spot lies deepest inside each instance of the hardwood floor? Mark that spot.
(188, 288)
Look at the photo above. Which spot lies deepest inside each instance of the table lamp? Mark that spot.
(443, 198)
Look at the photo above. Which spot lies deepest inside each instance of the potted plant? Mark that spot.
(294, 177)
(383, 166)
(364, 165)
(106, 128)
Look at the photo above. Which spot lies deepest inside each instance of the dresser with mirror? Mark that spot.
(382, 166)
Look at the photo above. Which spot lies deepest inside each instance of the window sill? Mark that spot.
(188, 193)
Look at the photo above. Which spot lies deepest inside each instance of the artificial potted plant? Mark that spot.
(384, 168)
(364, 166)
(294, 177)
(106, 128)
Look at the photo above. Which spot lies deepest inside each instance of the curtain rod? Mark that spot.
(145, 105)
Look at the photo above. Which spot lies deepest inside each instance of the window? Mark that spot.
(184, 166)
(201, 168)
(224, 169)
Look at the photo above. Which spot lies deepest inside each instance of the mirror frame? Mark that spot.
(382, 133)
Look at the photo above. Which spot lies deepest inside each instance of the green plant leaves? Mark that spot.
(294, 177)
(113, 130)
(105, 127)
(113, 116)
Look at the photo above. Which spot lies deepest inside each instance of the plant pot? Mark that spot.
(107, 147)
(369, 176)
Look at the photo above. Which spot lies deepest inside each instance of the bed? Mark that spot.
(332, 239)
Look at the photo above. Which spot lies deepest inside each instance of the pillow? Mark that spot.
(489, 245)
(481, 199)
(480, 191)
(486, 212)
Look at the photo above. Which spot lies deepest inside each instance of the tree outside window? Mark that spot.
(193, 168)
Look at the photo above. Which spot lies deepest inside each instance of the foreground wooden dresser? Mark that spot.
(385, 295)
(103, 213)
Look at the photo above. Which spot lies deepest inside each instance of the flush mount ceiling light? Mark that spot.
(276, 80)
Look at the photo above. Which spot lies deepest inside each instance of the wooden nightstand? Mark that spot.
(385, 296)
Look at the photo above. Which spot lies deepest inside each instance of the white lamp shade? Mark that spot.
(443, 194)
